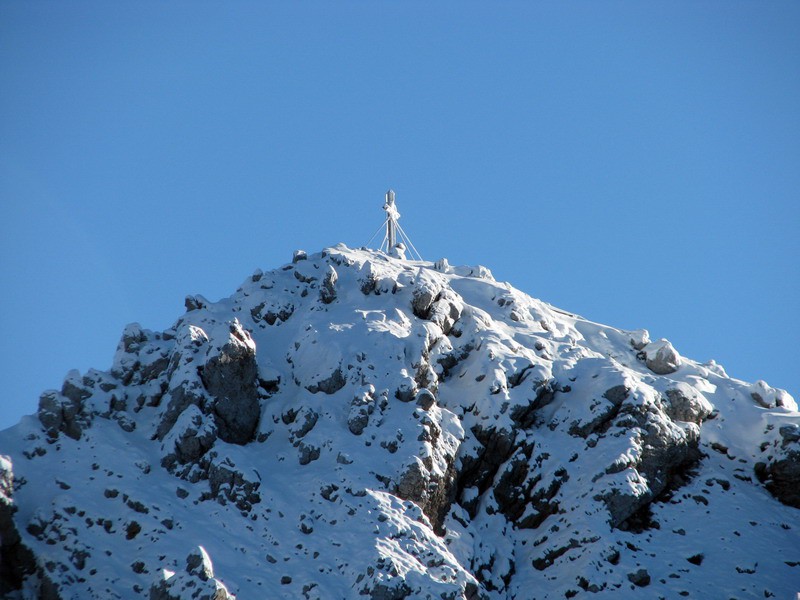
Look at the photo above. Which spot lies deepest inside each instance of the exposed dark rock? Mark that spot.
(640, 578)
(478, 471)
(308, 453)
(16, 560)
(180, 398)
(666, 453)
(665, 457)
(61, 414)
(199, 564)
(133, 338)
(329, 385)
(273, 314)
(304, 276)
(327, 291)
(545, 393)
(546, 561)
(790, 434)
(406, 391)
(510, 491)
(197, 581)
(367, 279)
(603, 411)
(361, 407)
(382, 591)
(194, 303)
(425, 399)
(782, 476)
(696, 559)
(230, 484)
(132, 529)
(195, 440)
(231, 377)
(446, 310)
(304, 425)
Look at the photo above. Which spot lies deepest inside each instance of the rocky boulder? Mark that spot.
(661, 358)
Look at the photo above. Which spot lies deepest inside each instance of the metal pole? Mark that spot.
(391, 215)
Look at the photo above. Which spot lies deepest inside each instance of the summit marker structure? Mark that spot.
(395, 241)
(392, 216)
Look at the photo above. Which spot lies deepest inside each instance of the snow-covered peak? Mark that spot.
(354, 423)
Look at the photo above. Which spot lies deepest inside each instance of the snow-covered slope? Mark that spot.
(355, 424)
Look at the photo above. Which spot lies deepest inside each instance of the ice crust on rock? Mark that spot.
(353, 424)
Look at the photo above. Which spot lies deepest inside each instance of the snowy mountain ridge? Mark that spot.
(355, 424)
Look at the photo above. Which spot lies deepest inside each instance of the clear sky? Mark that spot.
(635, 162)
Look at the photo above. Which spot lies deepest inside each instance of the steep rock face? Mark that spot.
(358, 425)
(231, 377)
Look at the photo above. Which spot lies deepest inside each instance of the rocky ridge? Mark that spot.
(354, 424)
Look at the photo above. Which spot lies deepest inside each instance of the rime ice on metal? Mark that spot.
(395, 241)
(392, 216)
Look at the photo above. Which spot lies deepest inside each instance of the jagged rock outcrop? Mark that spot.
(195, 581)
(781, 471)
(64, 411)
(230, 374)
(357, 424)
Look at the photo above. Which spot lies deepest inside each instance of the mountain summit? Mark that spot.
(354, 424)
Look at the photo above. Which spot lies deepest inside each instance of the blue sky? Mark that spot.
(636, 163)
